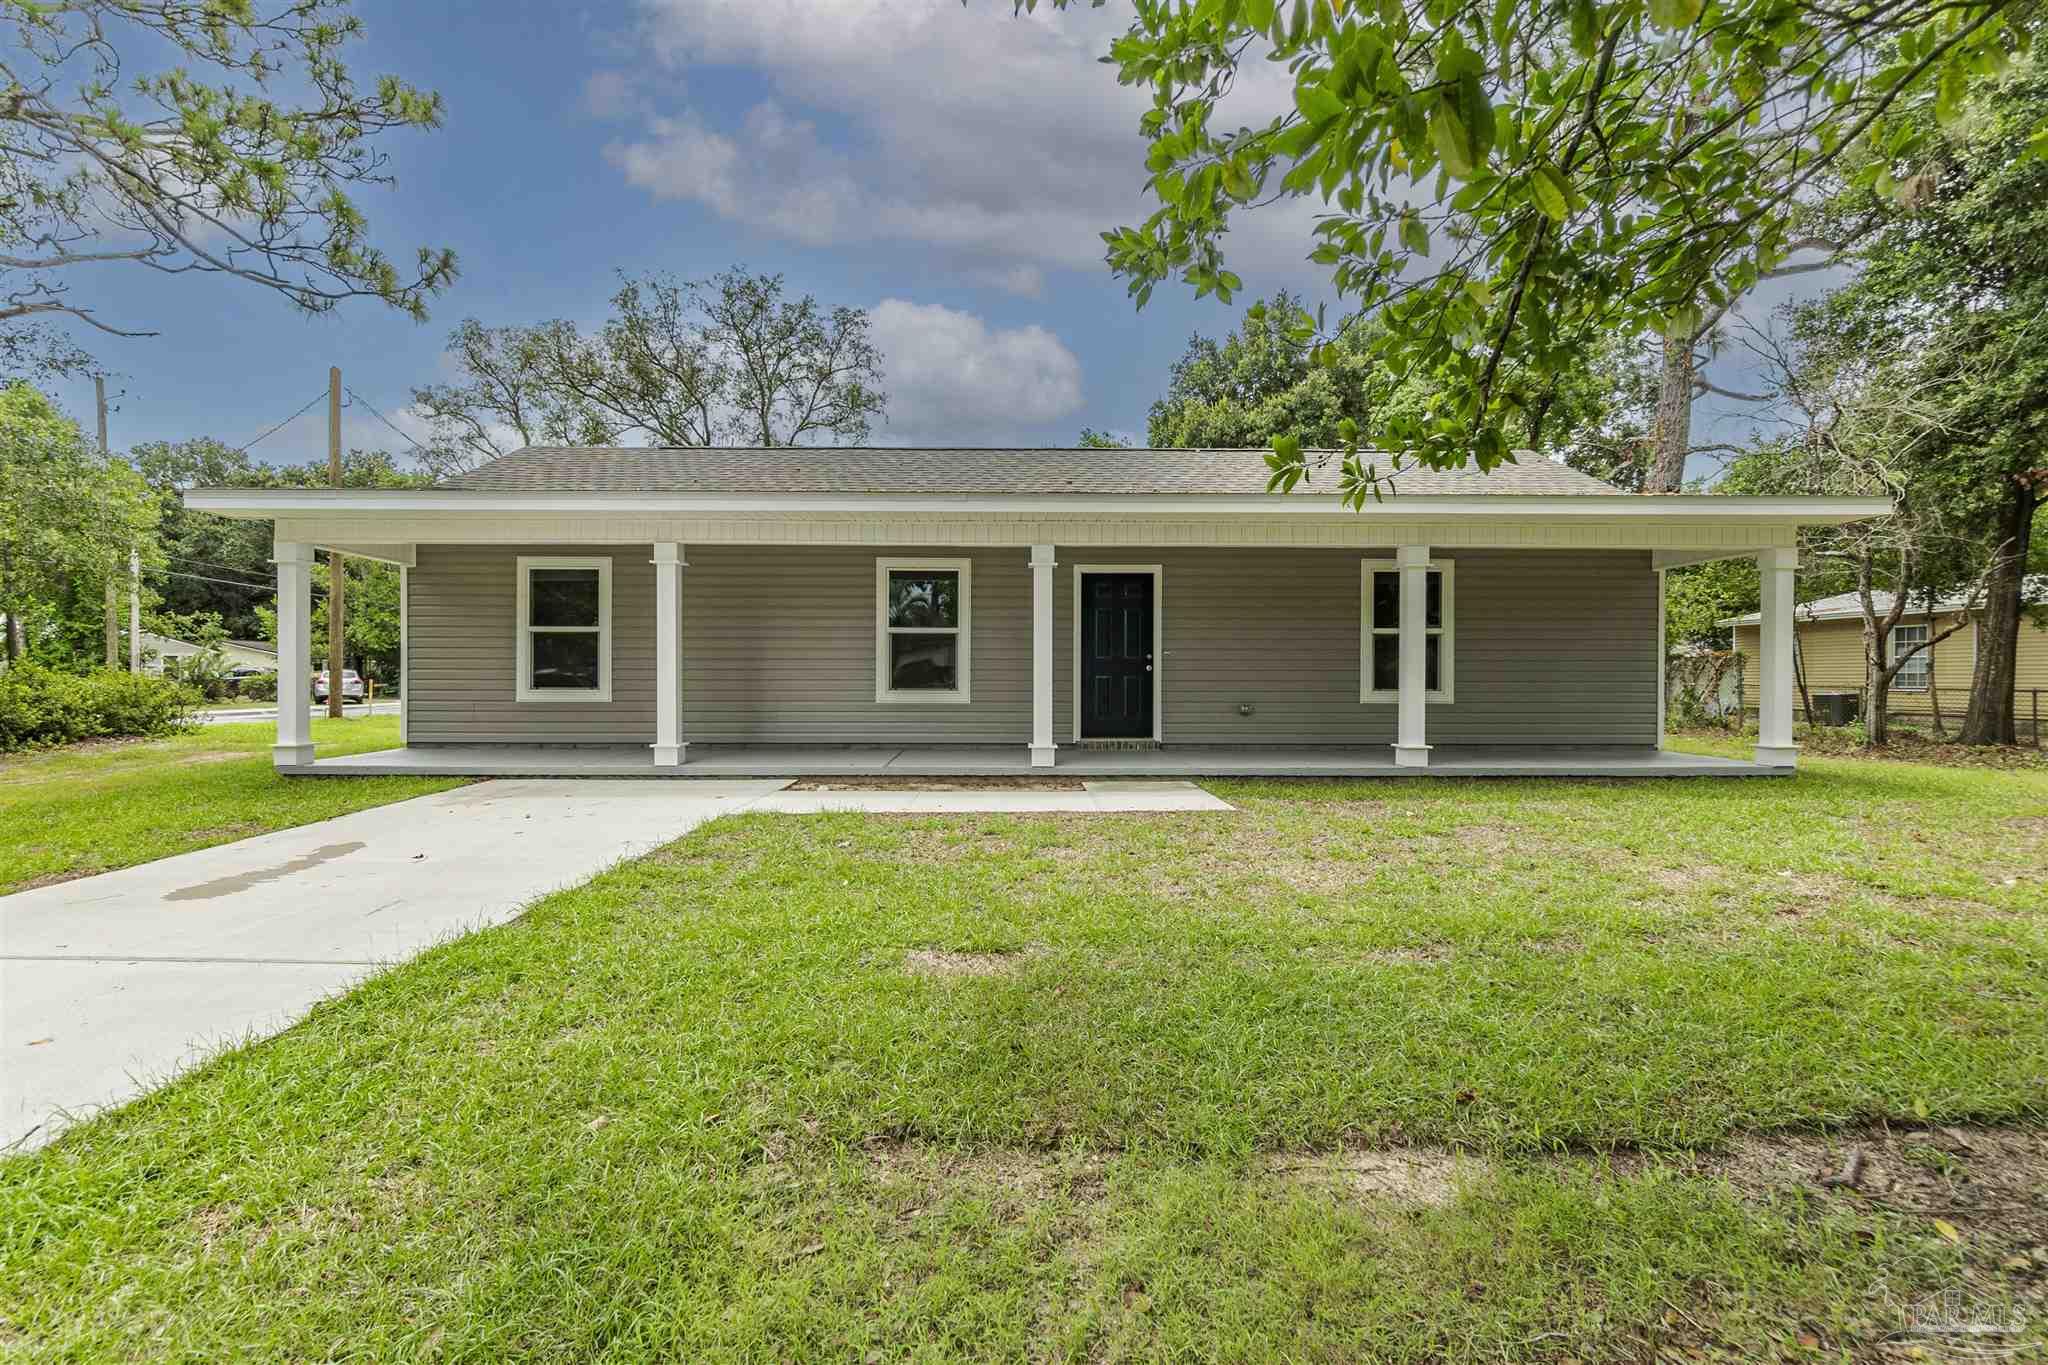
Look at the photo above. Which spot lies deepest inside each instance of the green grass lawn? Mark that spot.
(90, 807)
(1132, 1087)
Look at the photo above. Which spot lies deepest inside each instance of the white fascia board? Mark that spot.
(266, 503)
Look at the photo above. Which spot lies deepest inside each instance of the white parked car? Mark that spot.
(351, 685)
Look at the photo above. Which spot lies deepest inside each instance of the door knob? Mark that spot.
(1148, 668)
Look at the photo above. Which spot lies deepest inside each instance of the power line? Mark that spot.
(272, 431)
(385, 420)
(203, 578)
(210, 563)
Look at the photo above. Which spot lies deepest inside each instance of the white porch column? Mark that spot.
(1774, 659)
(668, 655)
(294, 746)
(1411, 745)
(1042, 747)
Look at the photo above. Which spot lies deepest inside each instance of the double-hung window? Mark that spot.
(1916, 672)
(921, 630)
(1380, 635)
(565, 629)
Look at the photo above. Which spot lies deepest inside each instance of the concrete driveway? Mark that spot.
(111, 985)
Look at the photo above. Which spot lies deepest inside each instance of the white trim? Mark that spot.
(959, 695)
(1044, 753)
(294, 743)
(669, 747)
(404, 653)
(523, 632)
(265, 502)
(1446, 670)
(1776, 570)
(1142, 532)
(1158, 573)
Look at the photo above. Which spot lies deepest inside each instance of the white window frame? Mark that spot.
(1922, 663)
(962, 693)
(1447, 653)
(523, 690)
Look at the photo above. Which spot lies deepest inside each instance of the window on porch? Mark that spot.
(921, 630)
(1380, 639)
(565, 629)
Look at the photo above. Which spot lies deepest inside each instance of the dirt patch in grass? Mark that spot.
(1015, 1171)
(1426, 1177)
(240, 829)
(908, 783)
(57, 878)
(211, 756)
(939, 962)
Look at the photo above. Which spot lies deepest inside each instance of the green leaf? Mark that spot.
(1259, 14)
(1547, 187)
(1318, 103)
(1671, 15)
(1585, 28)
(1414, 235)
(1452, 139)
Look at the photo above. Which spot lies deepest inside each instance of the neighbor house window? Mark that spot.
(1914, 674)
(565, 629)
(921, 630)
(1380, 639)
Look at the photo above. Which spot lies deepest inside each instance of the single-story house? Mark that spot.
(793, 610)
(234, 653)
(1829, 641)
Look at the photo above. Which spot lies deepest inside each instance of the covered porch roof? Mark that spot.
(1019, 497)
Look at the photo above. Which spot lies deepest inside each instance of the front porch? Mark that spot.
(938, 761)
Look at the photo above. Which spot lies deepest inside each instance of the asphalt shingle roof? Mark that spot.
(976, 470)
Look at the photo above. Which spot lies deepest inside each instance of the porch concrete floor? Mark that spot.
(784, 760)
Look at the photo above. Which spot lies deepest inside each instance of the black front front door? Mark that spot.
(1116, 656)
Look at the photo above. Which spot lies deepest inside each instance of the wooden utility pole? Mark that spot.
(335, 575)
(99, 393)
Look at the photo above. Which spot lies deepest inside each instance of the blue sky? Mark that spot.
(945, 167)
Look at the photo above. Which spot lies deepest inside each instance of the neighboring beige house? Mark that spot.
(1830, 646)
(237, 653)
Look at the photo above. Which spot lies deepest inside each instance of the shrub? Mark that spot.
(260, 688)
(40, 707)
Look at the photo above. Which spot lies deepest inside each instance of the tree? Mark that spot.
(68, 515)
(1960, 274)
(1507, 184)
(1264, 382)
(198, 166)
(1865, 421)
(212, 564)
(221, 567)
(724, 361)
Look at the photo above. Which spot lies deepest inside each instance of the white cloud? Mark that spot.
(1001, 141)
(610, 94)
(953, 379)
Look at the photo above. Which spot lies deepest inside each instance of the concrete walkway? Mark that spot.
(240, 715)
(111, 985)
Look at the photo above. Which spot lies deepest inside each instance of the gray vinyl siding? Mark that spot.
(461, 624)
(779, 647)
(1549, 647)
